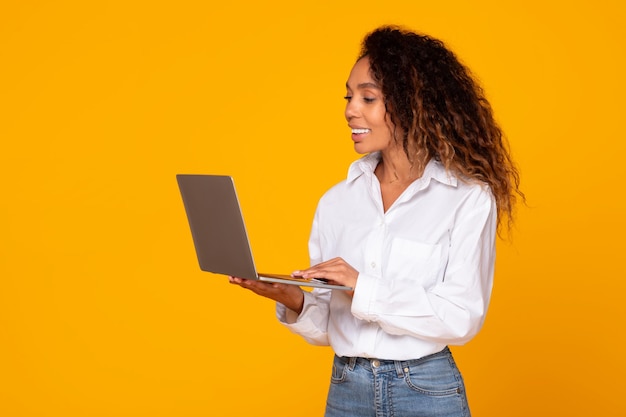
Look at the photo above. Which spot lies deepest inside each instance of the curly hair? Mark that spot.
(441, 111)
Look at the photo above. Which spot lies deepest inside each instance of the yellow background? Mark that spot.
(103, 310)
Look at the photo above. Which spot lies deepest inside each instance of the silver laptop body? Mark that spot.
(219, 233)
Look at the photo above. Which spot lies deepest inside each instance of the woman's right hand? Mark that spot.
(291, 296)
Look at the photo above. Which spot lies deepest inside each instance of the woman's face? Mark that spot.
(365, 111)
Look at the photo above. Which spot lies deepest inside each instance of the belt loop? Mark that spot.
(352, 363)
(399, 368)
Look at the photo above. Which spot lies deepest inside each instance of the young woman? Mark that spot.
(412, 230)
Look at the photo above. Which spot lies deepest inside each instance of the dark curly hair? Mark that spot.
(441, 111)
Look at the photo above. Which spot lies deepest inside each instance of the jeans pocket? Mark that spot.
(340, 368)
(437, 377)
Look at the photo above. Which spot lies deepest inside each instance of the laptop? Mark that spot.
(219, 233)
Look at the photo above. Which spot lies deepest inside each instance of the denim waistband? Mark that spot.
(384, 365)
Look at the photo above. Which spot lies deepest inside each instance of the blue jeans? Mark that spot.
(431, 386)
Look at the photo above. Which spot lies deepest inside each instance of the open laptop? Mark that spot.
(219, 233)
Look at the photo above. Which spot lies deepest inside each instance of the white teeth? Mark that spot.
(360, 131)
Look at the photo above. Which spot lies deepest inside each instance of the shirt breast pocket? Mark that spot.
(415, 261)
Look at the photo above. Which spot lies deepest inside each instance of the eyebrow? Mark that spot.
(365, 85)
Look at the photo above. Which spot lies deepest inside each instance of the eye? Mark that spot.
(348, 98)
(369, 99)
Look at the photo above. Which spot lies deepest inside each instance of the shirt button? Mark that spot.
(373, 265)
(375, 363)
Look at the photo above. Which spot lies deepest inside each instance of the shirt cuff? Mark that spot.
(289, 317)
(374, 299)
(364, 291)
(312, 323)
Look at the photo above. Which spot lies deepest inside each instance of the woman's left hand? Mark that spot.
(335, 270)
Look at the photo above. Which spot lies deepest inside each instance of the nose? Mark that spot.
(351, 110)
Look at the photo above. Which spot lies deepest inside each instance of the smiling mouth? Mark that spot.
(360, 131)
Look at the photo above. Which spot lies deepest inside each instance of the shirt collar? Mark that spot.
(434, 170)
(366, 164)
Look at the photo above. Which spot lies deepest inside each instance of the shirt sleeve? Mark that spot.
(453, 310)
(312, 322)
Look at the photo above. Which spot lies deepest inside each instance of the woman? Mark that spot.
(412, 230)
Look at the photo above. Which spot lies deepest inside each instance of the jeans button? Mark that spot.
(375, 363)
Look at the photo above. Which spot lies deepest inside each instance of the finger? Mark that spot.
(246, 283)
(320, 268)
(235, 280)
(326, 270)
(330, 262)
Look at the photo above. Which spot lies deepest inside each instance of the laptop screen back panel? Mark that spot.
(217, 227)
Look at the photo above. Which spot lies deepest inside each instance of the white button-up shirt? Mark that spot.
(425, 266)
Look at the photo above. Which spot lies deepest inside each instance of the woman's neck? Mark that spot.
(394, 167)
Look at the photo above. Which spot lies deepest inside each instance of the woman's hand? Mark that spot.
(291, 296)
(335, 270)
